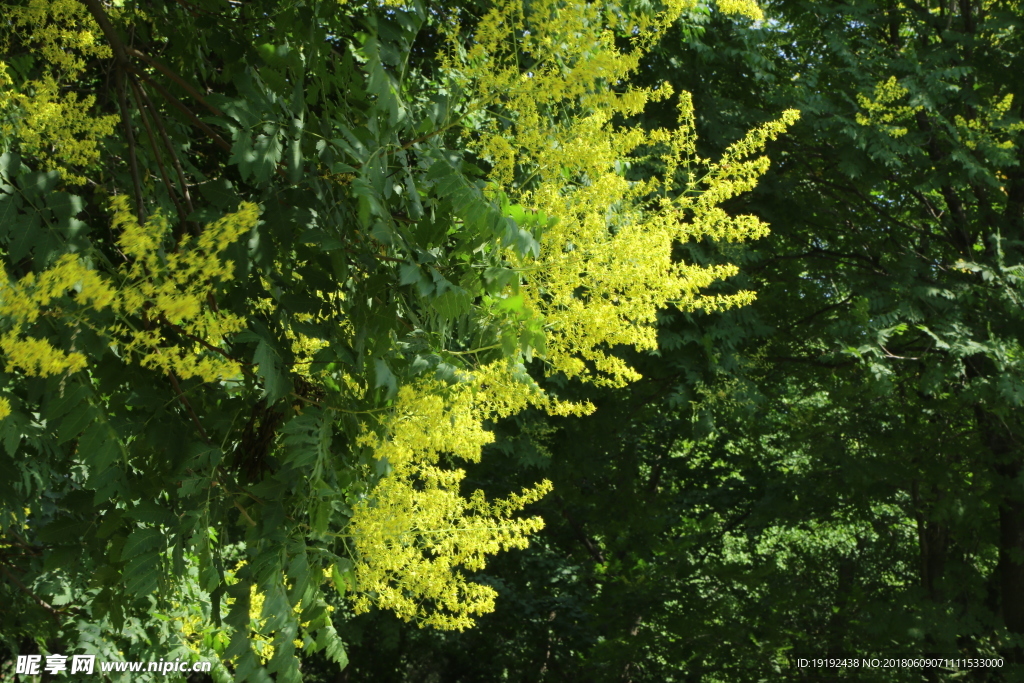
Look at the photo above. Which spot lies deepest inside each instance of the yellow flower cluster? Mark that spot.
(746, 8)
(882, 111)
(175, 288)
(200, 634)
(64, 31)
(22, 304)
(604, 270)
(304, 346)
(991, 125)
(607, 266)
(55, 126)
(168, 290)
(417, 533)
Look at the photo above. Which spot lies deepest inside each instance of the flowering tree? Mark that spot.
(270, 268)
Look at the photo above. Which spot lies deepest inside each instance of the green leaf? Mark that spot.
(409, 274)
(305, 439)
(148, 512)
(9, 205)
(328, 640)
(63, 529)
(142, 573)
(99, 446)
(72, 425)
(295, 160)
(65, 206)
(452, 303)
(271, 369)
(141, 541)
(383, 377)
(343, 575)
(320, 516)
(10, 166)
(39, 183)
(27, 231)
(511, 303)
(221, 193)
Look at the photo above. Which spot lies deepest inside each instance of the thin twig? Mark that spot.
(377, 256)
(244, 513)
(180, 330)
(133, 160)
(54, 612)
(188, 406)
(193, 9)
(121, 52)
(889, 354)
(303, 398)
(170, 148)
(176, 78)
(258, 500)
(185, 110)
(156, 151)
(438, 131)
(581, 534)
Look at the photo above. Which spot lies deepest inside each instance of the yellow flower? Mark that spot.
(607, 266)
(52, 123)
(417, 534)
(150, 281)
(882, 112)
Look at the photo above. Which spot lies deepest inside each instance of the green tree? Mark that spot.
(269, 271)
(900, 257)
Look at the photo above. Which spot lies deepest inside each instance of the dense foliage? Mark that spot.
(835, 469)
(275, 273)
(304, 302)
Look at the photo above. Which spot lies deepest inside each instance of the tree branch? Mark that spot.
(185, 110)
(98, 13)
(592, 549)
(814, 361)
(54, 612)
(170, 149)
(180, 330)
(156, 151)
(133, 160)
(188, 406)
(176, 78)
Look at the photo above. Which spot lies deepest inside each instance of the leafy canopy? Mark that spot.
(269, 271)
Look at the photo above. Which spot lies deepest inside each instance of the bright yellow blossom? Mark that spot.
(605, 269)
(171, 289)
(607, 266)
(52, 123)
(418, 533)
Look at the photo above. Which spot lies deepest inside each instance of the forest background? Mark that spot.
(298, 295)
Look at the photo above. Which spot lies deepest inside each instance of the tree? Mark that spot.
(905, 251)
(270, 269)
